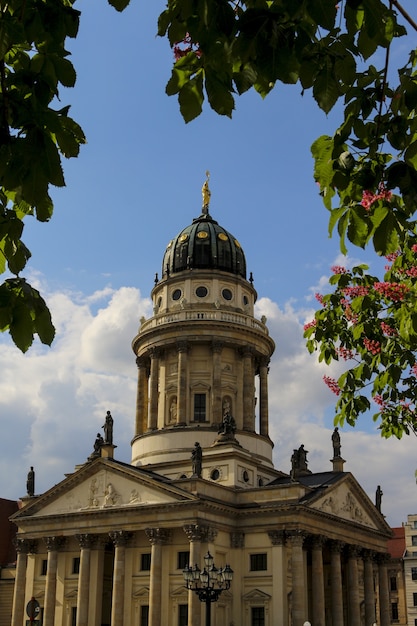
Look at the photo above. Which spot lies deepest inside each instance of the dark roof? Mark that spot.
(313, 481)
(204, 244)
(396, 545)
(7, 531)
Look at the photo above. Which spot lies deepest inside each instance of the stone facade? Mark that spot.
(108, 544)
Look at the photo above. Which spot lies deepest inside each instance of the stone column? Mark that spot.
(263, 396)
(354, 612)
(370, 617)
(154, 388)
(196, 534)
(279, 578)
(120, 539)
(336, 548)
(23, 548)
(157, 537)
(217, 414)
(182, 348)
(53, 544)
(141, 397)
(317, 579)
(248, 395)
(237, 543)
(299, 608)
(83, 595)
(384, 608)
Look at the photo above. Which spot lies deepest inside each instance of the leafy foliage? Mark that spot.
(372, 326)
(366, 172)
(33, 136)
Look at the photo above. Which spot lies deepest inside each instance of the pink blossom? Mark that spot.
(393, 291)
(319, 298)
(338, 269)
(368, 198)
(332, 384)
(345, 353)
(380, 401)
(372, 345)
(414, 247)
(355, 291)
(388, 330)
(311, 324)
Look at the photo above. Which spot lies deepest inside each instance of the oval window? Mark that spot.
(202, 234)
(245, 476)
(215, 474)
(201, 291)
(176, 295)
(227, 294)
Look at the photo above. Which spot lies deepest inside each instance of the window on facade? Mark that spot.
(393, 583)
(145, 561)
(415, 524)
(183, 559)
(76, 565)
(199, 407)
(258, 562)
(73, 616)
(182, 614)
(44, 567)
(257, 616)
(414, 599)
(414, 573)
(394, 611)
(414, 540)
(144, 615)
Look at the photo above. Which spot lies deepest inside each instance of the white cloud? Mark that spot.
(53, 400)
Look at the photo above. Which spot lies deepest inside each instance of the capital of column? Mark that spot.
(120, 537)
(264, 361)
(245, 352)
(217, 346)
(158, 535)
(296, 537)
(353, 551)
(337, 546)
(86, 540)
(237, 540)
(197, 532)
(25, 546)
(54, 543)
(141, 362)
(382, 558)
(182, 346)
(318, 541)
(277, 537)
(369, 555)
(155, 353)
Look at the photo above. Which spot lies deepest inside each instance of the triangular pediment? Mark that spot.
(101, 485)
(346, 500)
(256, 594)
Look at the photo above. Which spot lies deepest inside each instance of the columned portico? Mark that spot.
(299, 607)
(354, 614)
(53, 545)
(279, 575)
(86, 541)
(318, 613)
(23, 548)
(368, 559)
(157, 537)
(120, 539)
(336, 548)
(384, 612)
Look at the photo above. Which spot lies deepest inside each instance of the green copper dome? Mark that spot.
(204, 245)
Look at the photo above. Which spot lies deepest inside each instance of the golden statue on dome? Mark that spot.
(206, 194)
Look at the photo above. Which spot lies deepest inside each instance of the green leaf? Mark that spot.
(218, 94)
(359, 228)
(119, 5)
(326, 88)
(191, 98)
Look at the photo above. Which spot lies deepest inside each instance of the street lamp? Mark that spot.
(209, 583)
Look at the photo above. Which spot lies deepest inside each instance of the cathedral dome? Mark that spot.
(204, 244)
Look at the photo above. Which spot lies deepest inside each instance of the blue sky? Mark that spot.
(135, 185)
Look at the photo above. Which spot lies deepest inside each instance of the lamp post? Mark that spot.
(209, 583)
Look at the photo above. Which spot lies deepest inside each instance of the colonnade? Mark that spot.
(296, 573)
(249, 364)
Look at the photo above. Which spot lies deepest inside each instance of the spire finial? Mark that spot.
(206, 193)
